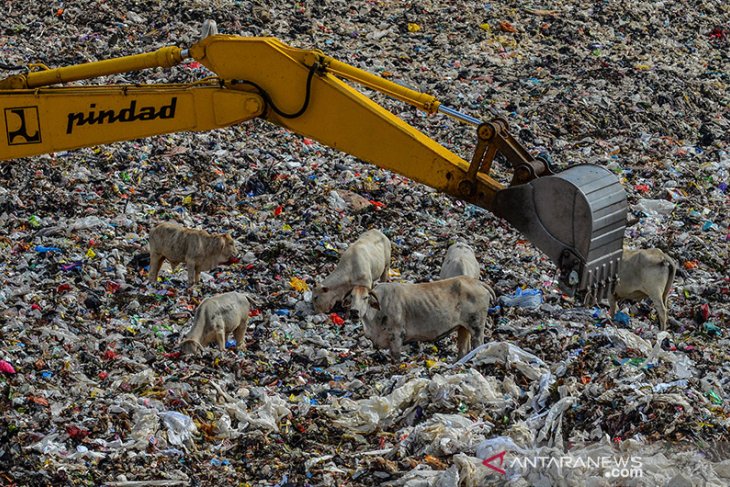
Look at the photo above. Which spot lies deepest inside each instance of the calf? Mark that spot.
(199, 250)
(645, 274)
(395, 314)
(460, 261)
(215, 318)
(366, 260)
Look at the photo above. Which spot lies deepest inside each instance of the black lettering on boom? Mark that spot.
(129, 114)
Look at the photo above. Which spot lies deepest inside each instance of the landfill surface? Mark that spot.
(93, 390)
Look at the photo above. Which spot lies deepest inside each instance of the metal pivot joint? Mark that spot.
(492, 138)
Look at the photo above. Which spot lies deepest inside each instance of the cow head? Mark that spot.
(190, 347)
(376, 325)
(324, 298)
(228, 248)
(357, 302)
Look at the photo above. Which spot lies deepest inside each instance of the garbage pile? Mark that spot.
(94, 391)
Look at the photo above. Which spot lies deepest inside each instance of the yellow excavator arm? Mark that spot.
(577, 217)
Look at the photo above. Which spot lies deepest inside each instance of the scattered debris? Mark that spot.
(93, 389)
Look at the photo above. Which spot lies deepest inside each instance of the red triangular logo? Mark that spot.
(487, 462)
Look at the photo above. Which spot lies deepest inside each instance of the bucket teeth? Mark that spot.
(578, 218)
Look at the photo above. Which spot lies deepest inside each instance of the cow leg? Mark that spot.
(589, 300)
(658, 300)
(489, 326)
(385, 276)
(191, 272)
(612, 305)
(220, 334)
(477, 332)
(665, 301)
(239, 334)
(463, 337)
(156, 261)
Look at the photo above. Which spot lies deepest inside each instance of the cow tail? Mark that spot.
(251, 301)
(672, 266)
(489, 289)
(152, 235)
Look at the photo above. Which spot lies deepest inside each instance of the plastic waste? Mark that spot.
(665, 386)
(655, 208)
(523, 298)
(180, 427)
(621, 318)
(443, 434)
(336, 202)
(684, 367)
(43, 250)
(509, 355)
(712, 329)
(86, 223)
(714, 397)
(367, 415)
(6, 367)
(94, 345)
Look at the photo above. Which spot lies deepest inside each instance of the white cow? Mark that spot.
(215, 318)
(460, 261)
(647, 273)
(395, 314)
(364, 261)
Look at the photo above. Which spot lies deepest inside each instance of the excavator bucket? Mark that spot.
(577, 217)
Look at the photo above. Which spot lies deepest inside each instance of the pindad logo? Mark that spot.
(22, 125)
(131, 113)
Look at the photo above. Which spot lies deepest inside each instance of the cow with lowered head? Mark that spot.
(647, 273)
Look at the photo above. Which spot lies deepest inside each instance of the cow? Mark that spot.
(216, 317)
(647, 273)
(398, 313)
(365, 261)
(198, 249)
(460, 261)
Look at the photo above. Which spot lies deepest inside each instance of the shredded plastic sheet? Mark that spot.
(266, 417)
(443, 435)
(508, 354)
(466, 471)
(368, 415)
(656, 208)
(180, 428)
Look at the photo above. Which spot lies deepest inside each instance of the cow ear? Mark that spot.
(373, 301)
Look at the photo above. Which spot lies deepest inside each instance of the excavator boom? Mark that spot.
(577, 217)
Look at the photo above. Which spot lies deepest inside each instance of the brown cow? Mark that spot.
(199, 250)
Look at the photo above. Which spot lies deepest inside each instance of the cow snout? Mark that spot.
(354, 315)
